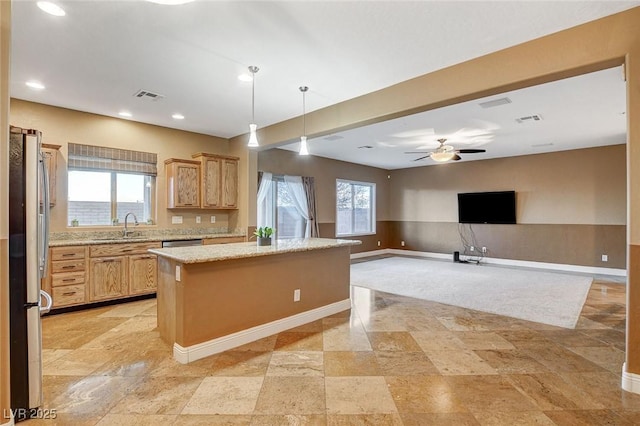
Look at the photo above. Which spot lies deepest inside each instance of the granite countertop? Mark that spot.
(79, 239)
(212, 253)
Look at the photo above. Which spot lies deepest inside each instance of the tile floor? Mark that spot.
(391, 360)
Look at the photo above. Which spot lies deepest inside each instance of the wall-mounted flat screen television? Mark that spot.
(487, 207)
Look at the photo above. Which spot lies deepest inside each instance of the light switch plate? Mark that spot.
(176, 219)
(213, 219)
(178, 272)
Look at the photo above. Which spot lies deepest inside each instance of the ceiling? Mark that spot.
(101, 53)
(579, 112)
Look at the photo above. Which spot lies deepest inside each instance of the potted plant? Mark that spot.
(75, 222)
(263, 235)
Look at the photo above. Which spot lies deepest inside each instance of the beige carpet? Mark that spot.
(545, 297)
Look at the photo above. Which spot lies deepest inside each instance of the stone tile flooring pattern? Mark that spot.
(391, 360)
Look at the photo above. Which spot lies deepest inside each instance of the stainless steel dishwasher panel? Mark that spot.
(182, 243)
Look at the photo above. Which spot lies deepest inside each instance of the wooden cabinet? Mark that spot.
(108, 278)
(121, 270)
(223, 240)
(218, 181)
(51, 162)
(83, 274)
(67, 281)
(143, 273)
(183, 183)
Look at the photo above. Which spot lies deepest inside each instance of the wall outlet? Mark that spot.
(296, 295)
(484, 249)
(378, 243)
(605, 258)
(402, 243)
(213, 219)
(176, 219)
(198, 219)
(472, 248)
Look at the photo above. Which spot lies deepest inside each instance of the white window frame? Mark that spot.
(372, 185)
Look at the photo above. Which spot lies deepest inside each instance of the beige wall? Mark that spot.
(571, 207)
(586, 186)
(60, 126)
(5, 39)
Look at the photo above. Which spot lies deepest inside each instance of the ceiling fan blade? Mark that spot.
(422, 158)
(456, 158)
(417, 152)
(471, 151)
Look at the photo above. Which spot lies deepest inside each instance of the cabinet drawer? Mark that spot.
(106, 250)
(223, 240)
(67, 265)
(67, 278)
(68, 295)
(67, 253)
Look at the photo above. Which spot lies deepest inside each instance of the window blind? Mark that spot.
(90, 157)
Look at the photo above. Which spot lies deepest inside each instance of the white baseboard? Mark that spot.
(507, 262)
(221, 344)
(369, 253)
(630, 381)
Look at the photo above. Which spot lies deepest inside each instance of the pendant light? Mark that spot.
(253, 139)
(303, 138)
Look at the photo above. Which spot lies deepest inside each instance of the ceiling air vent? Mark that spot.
(145, 94)
(333, 138)
(495, 103)
(529, 118)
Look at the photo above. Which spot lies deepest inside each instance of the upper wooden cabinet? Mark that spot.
(183, 183)
(51, 162)
(218, 181)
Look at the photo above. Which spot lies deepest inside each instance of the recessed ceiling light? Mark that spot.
(35, 85)
(51, 8)
(124, 114)
(177, 117)
(170, 2)
(245, 77)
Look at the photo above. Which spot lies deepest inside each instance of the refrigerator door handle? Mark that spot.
(47, 296)
(44, 215)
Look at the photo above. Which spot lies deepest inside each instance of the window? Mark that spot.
(355, 208)
(104, 184)
(97, 198)
(289, 222)
(277, 207)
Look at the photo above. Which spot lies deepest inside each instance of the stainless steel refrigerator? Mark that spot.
(28, 250)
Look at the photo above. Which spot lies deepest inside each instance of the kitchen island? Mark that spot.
(214, 298)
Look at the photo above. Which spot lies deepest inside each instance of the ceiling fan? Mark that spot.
(445, 153)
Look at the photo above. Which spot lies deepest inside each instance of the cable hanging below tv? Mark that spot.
(498, 207)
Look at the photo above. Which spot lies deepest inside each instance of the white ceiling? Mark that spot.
(97, 56)
(579, 112)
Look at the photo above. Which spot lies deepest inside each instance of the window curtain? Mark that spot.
(310, 190)
(265, 200)
(90, 157)
(296, 189)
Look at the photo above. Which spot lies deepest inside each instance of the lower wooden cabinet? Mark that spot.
(93, 273)
(223, 240)
(143, 273)
(108, 278)
(67, 280)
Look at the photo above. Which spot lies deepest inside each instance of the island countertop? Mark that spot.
(213, 253)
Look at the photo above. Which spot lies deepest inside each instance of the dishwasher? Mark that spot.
(182, 243)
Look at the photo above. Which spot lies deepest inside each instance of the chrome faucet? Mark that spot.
(125, 231)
